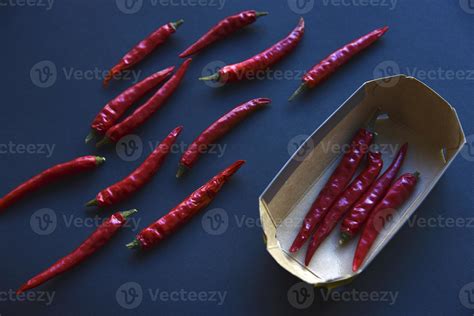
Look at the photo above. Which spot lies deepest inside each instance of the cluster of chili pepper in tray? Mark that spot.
(368, 195)
(364, 204)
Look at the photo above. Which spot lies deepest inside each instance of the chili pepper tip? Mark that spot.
(177, 24)
(133, 245)
(92, 135)
(92, 203)
(214, 77)
(258, 14)
(300, 89)
(345, 237)
(102, 142)
(126, 214)
(181, 170)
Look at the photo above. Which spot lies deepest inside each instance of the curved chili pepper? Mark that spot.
(330, 64)
(356, 217)
(50, 175)
(143, 49)
(398, 193)
(178, 216)
(345, 201)
(144, 112)
(96, 241)
(216, 130)
(334, 186)
(139, 177)
(223, 29)
(261, 61)
(113, 110)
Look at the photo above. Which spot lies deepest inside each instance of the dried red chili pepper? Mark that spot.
(261, 61)
(143, 49)
(223, 29)
(96, 241)
(353, 192)
(50, 175)
(139, 177)
(216, 130)
(144, 112)
(334, 186)
(330, 64)
(353, 221)
(113, 110)
(178, 216)
(398, 193)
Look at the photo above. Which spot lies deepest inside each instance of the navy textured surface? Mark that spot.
(52, 61)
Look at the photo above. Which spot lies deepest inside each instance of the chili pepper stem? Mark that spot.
(177, 24)
(126, 214)
(104, 141)
(258, 14)
(416, 174)
(93, 134)
(303, 87)
(92, 203)
(214, 77)
(344, 239)
(99, 160)
(181, 170)
(133, 245)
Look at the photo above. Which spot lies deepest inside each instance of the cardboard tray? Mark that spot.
(411, 112)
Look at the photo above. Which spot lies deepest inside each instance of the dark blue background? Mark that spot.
(426, 266)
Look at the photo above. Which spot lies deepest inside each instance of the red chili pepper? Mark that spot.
(113, 110)
(223, 29)
(357, 216)
(345, 201)
(144, 112)
(143, 49)
(50, 175)
(330, 64)
(95, 241)
(334, 186)
(262, 61)
(139, 177)
(178, 216)
(398, 193)
(216, 130)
